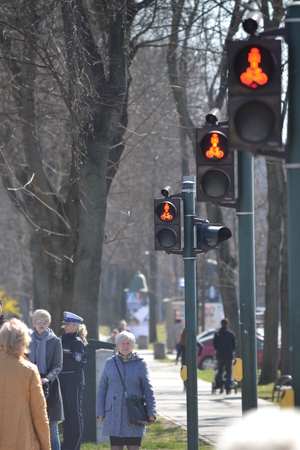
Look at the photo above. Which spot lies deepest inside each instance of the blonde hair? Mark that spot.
(82, 331)
(41, 313)
(14, 338)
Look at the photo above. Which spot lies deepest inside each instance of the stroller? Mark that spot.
(215, 384)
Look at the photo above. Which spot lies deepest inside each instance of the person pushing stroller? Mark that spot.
(224, 343)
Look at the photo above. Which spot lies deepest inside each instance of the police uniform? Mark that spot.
(72, 382)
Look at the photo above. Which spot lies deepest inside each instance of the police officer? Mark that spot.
(72, 379)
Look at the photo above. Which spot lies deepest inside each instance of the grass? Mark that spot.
(264, 392)
(162, 435)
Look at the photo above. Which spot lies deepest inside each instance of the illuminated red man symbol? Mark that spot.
(166, 215)
(254, 74)
(214, 150)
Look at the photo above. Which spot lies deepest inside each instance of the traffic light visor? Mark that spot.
(209, 236)
(254, 66)
(215, 234)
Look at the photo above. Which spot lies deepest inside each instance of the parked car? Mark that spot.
(205, 361)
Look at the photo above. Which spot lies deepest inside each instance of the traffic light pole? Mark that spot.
(247, 280)
(189, 258)
(293, 185)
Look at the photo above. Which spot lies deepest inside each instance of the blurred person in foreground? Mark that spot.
(270, 428)
(23, 412)
(46, 352)
(72, 379)
(224, 344)
(111, 404)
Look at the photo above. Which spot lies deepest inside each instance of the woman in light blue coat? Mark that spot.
(111, 405)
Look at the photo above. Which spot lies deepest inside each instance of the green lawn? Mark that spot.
(264, 392)
(162, 435)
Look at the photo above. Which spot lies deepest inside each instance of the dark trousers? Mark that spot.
(227, 365)
(73, 423)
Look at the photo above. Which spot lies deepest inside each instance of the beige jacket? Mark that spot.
(23, 412)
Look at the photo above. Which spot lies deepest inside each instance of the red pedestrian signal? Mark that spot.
(254, 90)
(254, 76)
(215, 165)
(214, 150)
(166, 216)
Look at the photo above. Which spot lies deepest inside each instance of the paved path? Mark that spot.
(215, 411)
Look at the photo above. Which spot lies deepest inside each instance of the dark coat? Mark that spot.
(2, 320)
(74, 359)
(224, 343)
(111, 399)
(54, 359)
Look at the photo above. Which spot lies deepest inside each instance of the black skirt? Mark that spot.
(116, 440)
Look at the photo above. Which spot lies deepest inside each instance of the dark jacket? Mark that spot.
(54, 366)
(224, 343)
(2, 320)
(74, 358)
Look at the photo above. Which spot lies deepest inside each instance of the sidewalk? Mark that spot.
(215, 411)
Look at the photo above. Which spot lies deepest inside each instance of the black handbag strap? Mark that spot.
(124, 387)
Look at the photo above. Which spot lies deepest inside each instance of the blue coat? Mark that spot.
(111, 400)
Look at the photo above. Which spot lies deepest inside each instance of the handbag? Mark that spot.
(51, 393)
(137, 408)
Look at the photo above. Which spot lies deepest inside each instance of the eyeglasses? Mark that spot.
(42, 321)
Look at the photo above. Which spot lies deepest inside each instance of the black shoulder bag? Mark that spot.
(51, 392)
(136, 406)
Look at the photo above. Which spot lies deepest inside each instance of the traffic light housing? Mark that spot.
(254, 90)
(210, 236)
(167, 224)
(215, 165)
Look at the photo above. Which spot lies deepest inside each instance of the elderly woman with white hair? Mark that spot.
(111, 405)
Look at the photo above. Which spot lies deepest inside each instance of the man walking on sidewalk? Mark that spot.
(224, 344)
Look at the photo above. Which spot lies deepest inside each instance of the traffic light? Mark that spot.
(167, 224)
(210, 235)
(254, 89)
(215, 165)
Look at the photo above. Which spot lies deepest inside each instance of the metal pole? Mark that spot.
(293, 189)
(188, 191)
(247, 280)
